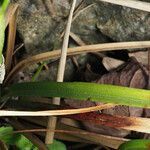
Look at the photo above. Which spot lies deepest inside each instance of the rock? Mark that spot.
(84, 25)
(41, 25)
(37, 27)
(41, 22)
(51, 73)
(123, 23)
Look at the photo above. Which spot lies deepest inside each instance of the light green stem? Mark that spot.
(2, 26)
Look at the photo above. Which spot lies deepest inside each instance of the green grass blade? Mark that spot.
(2, 32)
(3, 6)
(136, 145)
(83, 91)
(35, 76)
(2, 26)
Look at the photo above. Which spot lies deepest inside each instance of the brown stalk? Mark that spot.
(75, 51)
(18, 48)
(11, 35)
(3, 145)
(60, 74)
(59, 131)
(77, 39)
(12, 8)
(145, 6)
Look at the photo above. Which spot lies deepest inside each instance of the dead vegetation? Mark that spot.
(108, 127)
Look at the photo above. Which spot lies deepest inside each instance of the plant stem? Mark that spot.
(60, 76)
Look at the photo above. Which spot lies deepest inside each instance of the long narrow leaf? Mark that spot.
(83, 91)
(2, 26)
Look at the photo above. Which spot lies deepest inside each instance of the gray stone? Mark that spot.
(123, 23)
(37, 26)
(85, 25)
(41, 24)
(46, 74)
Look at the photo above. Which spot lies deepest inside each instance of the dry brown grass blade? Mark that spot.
(128, 123)
(73, 132)
(110, 141)
(55, 112)
(11, 19)
(18, 48)
(44, 130)
(145, 6)
(93, 138)
(12, 8)
(75, 51)
(77, 39)
(3, 145)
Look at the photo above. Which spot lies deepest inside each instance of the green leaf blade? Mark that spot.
(2, 26)
(83, 91)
